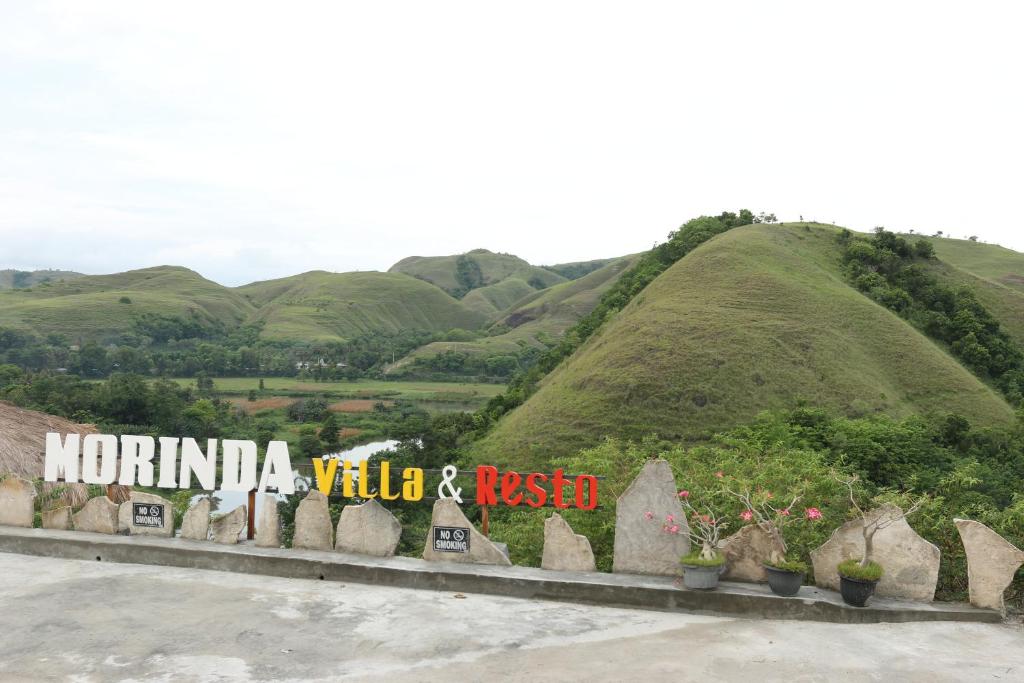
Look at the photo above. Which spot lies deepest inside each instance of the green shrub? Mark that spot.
(851, 569)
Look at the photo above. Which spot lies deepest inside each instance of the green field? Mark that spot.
(362, 388)
(758, 318)
(990, 261)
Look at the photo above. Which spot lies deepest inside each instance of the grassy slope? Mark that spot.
(493, 299)
(440, 270)
(542, 314)
(755, 319)
(89, 307)
(577, 269)
(332, 306)
(989, 261)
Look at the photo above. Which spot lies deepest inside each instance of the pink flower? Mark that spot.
(674, 529)
(705, 518)
(812, 513)
(648, 515)
(719, 474)
(784, 512)
(670, 518)
(684, 494)
(747, 515)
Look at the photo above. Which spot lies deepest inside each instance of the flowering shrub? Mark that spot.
(759, 509)
(702, 525)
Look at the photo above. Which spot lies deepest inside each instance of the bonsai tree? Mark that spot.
(705, 529)
(866, 568)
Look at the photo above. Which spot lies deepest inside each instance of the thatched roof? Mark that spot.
(23, 448)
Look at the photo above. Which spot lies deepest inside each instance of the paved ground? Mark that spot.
(89, 621)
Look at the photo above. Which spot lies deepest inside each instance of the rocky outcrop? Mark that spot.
(992, 562)
(457, 539)
(226, 528)
(98, 515)
(313, 528)
(641, 544)
(17, 501)
(564, 550)
(368, 529)
(196, 524)
(910, 564)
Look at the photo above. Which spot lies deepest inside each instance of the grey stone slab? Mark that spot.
(992, 562)
(910, 564)
(313, 527)
(17, 501)
(449, 516)
(151, 507)
(641, 544)
(226, 528)
(57, 518)
(368, 529)
(565, 550)
(195, 525)
(98, 515)
(268, 526)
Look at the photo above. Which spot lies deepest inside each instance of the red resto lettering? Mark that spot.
(590, 483)
(540, 495)
(558, 482)
(510, 481)
(486, 480)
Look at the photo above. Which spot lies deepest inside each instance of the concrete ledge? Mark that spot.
(619, 590)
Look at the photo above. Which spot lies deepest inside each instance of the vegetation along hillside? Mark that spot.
(20, 279)
(760, 317)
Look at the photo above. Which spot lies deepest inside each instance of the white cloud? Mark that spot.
(251, 140)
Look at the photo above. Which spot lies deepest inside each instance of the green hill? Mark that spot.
(577, 269)
(478, 268)
(322, 306)
(535, 320)
(757, 318)
(101, 307)
(491, 300)
(19, 279)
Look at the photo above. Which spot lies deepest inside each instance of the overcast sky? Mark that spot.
(249, 141)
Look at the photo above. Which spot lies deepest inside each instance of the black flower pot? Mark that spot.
(782, 582)
(856, 592)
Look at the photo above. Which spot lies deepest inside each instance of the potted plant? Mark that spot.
(858, 577)
(701, 568)
(785, 576)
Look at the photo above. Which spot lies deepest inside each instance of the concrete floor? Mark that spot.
(70, 620)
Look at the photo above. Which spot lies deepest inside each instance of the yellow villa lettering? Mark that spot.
(352, 484)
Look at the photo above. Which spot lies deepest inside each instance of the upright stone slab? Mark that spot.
(992, 562)
(57, 518)
(910, 564)
(313, 528)
(641, 544)
(746, 551)
(268, 526)
(368, 529)
(17, 501)
(227, 527)
(457, 539)
(145, 514)
(564, 550)
(195, 526)
(98, 515)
